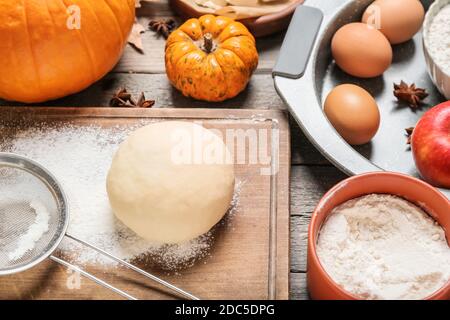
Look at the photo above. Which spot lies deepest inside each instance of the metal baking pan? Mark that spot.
(305, 73)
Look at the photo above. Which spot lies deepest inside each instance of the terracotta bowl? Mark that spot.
(320, 285)
(259, 27)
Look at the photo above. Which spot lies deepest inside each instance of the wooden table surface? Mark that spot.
(311, 174)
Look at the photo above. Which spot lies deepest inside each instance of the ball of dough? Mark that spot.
(171, 181)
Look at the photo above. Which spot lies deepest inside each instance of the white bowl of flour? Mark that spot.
(436, 43)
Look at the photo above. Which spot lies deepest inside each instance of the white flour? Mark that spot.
(438, 39)
(384, 247)
(80, 157)
(34, 233)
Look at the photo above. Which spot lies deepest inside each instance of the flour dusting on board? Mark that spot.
(80, 157)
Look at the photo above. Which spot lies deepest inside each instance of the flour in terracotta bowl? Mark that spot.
(384, 247)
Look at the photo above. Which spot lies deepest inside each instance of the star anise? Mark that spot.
(410, 94)
(163, 27)
(409, 132)
(123, 99)
(144, 103)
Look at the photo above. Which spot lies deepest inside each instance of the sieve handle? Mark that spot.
(128, 265)
(92, 277)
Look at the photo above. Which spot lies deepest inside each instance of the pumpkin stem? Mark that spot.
(208, 43)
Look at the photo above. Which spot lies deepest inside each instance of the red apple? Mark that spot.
(430, 143)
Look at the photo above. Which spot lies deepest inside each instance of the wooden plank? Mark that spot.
(299, 242)
(308, 185)
(303, 152)
(152, 60)
(256, 235)
(63, 113)
(157, 8)
(260, 94)
(299, 289)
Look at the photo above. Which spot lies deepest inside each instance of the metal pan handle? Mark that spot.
(296, 50)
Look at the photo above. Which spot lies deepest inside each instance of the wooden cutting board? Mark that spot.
(249, 258)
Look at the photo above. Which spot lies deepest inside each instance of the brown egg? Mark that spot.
(361, 50)
(398, 20)
(353, 112)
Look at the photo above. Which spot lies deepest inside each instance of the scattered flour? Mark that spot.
(384, 247)
(34, 233)
(79, 157)
(438, 39)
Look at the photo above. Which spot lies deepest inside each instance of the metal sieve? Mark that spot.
(22, 183)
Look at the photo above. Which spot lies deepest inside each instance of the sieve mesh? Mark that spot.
(22, 184)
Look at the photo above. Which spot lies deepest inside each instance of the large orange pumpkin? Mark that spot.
(211, 58)
(53, 48)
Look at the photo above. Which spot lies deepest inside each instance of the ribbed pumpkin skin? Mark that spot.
(42, 59)
(211, 76)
